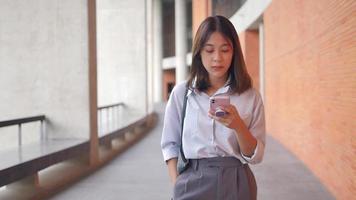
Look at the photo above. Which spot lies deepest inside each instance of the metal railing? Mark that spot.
(21, 121)
(108, 116)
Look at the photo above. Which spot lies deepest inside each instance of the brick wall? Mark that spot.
(251, 54)
(168, 78)
(311, 86)
(201, 9)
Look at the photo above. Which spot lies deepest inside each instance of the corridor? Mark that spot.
(140, 174)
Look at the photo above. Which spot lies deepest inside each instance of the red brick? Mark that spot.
(311, 86)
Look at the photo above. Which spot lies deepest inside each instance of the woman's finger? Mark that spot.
(230, 108)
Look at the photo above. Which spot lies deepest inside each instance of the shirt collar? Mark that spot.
(221, 90)
(225, 88)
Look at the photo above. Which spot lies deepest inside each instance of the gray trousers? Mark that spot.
(219, 178)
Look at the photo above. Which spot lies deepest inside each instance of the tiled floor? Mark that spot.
(140, 174)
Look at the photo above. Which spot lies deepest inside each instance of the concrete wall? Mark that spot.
(248, 14)
(311, 86)
(44, 64)
(121, 54)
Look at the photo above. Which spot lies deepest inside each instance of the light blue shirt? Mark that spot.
(204, 137)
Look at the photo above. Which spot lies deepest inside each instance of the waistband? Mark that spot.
(216, 162)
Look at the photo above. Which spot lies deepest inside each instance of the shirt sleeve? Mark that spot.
(170, 141)
(258, 130)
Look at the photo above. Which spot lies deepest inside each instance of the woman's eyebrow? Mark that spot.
(208, 45)
(225, 44)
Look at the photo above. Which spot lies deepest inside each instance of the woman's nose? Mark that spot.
(217, 57)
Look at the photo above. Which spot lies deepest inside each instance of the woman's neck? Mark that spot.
(215, 84)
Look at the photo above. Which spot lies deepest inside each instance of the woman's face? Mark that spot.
(216, 56)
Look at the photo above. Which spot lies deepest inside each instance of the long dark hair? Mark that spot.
(240, 80)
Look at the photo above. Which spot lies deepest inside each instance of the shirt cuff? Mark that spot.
(170, 153)
(253, 159)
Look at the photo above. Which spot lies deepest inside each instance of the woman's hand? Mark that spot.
(231, 119)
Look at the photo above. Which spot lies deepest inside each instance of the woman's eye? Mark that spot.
(225, 50)
(209, 50)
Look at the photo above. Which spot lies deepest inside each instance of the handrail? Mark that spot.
(111, 105)
(71, 150)
(22, 120)
(116, 133)
(107, 116)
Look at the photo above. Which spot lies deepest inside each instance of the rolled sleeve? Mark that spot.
(257, 155)
(170, 152)
(258, 130)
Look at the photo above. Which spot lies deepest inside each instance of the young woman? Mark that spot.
(219, 148)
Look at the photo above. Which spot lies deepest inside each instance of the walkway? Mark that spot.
(140, 174)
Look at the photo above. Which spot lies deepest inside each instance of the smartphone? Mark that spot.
(217, 102)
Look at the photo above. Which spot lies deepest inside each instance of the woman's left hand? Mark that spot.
(231, 119)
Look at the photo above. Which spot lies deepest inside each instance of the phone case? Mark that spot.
(219, 101)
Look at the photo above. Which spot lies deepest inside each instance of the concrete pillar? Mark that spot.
(262, 60)
(149, 50)
(157, 52)
(180, 40)
(93, 99)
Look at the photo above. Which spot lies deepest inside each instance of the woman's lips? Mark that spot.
(217, 67)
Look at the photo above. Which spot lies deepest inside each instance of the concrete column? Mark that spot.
(180, 40)
(149, 50)
(146, 58)
(157, 51)
(262, 60)
(93, 99)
